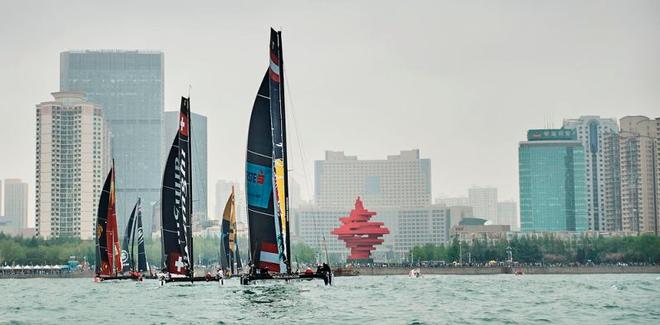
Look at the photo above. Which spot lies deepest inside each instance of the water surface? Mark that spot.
(433, 299)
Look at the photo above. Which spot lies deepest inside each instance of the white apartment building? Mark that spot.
(640, 164)
(72, 161)
(596, 134)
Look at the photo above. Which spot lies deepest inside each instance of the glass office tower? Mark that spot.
(129, 87)
(552, 182)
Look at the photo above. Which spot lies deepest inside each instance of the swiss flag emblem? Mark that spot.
(183, 125)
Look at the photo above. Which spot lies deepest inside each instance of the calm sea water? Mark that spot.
(509, 299)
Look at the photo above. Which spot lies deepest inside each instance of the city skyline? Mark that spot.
(483, 103)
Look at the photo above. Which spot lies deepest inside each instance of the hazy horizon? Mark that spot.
(462, 82)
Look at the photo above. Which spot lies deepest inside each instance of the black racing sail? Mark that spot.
(127, 263)
(139, 234)
(266, 169)
(108, 261)
(176, 200)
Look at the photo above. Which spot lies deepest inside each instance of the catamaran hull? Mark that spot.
(246, 279)
(195, 279)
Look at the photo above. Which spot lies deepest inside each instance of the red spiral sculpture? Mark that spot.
(360, 234)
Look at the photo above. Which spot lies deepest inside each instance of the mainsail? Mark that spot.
(126, 254)
(229, 245)
(266, 169)
(108, 253)
(139, 234)
(176, 200)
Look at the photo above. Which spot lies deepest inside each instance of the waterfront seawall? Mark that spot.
(504, 270)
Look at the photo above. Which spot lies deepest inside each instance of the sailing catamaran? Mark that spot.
(176, 205)
(133, 231)
(229, 258)
(108, 252)
(267, 176)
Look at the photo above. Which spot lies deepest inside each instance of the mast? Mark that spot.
(189, 202)
(284, 156)
(233, 245)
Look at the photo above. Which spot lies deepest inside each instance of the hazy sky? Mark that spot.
(460, 80)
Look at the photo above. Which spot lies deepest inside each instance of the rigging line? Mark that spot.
(301, 151)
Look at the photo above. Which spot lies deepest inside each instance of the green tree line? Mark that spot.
(547, 249)
(37, 251)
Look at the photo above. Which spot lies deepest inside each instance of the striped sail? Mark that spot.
(266, 174)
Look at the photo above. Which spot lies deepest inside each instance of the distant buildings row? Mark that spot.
(482, 202)
(592, 174)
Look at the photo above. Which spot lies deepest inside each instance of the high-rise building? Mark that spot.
(199, 161)
(73, 159)
(129, 87)
(16, 204)
(402, 180)
(552, 181)
(598, 137)
(638, 145)
(507, 214)
(483, 201)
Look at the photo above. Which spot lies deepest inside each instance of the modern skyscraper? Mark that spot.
(16, 204)
(129, 87)
(507, 214)
(73, 159)
(200, 158)
(552, 181)
(639, 139)
(483, 201)
(402, 180)
(598, 137)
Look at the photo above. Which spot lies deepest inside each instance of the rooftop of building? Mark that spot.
(404, 155)
(113, 51)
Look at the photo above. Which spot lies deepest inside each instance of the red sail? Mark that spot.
(108, 251)
(114, 251)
